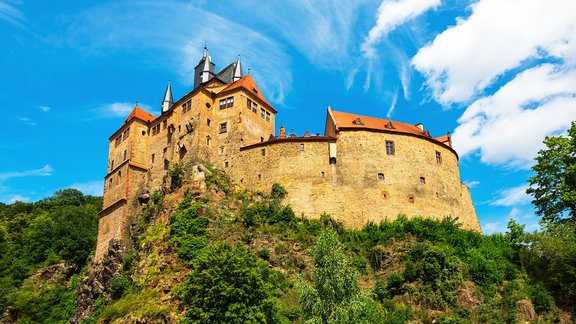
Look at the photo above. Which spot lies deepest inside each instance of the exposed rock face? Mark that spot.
(96, 281)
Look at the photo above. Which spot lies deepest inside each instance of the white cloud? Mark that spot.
(45, 108)
(490, 228)
(118, 109)
(509, 126)
(14, 198)
(499, 36)
(513, 197)
(10, 14)
(27, 121)
(45, 171)
(390, 14)
(472, 184)
(94, 188)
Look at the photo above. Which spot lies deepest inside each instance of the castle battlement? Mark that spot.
(362, 169)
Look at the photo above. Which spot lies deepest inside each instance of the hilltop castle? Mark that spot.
(362, 169)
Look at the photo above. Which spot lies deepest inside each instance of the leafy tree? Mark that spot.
(229, 285)
(554, 184)
(335, 296)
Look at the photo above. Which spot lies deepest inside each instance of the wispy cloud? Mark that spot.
(391, 14)
(10, 13)
(45, 171)
(117, 109)
(44, 108)
(15, 197)
(472, 184)
(94, 188)
(512, 197)
(27, 121)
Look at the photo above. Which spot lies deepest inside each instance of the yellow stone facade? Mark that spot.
(348, 173)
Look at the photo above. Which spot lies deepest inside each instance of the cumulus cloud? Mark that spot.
(498, 37)
(512, 197)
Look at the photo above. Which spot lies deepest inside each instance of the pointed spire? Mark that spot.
(237, 70)
(168, 101)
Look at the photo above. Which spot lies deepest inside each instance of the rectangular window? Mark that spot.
(164, 124)
(153, 156)
(262, 113)
(390, 150)
(263, 152)
(118, 140)
(126, 133)
(422, 180)
(208, 122)
(229, 102)
(438, 157)
(222, 103)
(112, 165)
(187, 106)
(223, 128)
(301, 147)
(267, 116)
(249, 104)
(156, 130)
(254, 107)
(207, 140)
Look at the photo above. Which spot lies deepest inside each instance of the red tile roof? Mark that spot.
(247, 83)
(354, 121)
(141, 114)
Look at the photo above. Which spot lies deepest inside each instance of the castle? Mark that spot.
(363, 169)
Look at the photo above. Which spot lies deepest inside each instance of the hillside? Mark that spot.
(212, 253)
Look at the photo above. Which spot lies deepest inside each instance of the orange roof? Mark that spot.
(247, 83)
(141, 114)
(347, 120)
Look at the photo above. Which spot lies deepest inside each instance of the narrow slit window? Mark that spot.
(438, 157)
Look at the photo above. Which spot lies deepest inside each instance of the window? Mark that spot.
(222, 103)
(390, 150)
(380, 176)
(118, 140)
(323, 174)
(187, 106)
(249, 104)
(263, 152)
(156, 130)
(267, 116)
(221, 149)
(259, 177)
(119, 176)
(125, 154)
(207, 140)
(153, 156)
(438, 157)
(229, 102)
(226, 164)
(208, 121)
(112, 165)
(223, 128)
(262, 113)
(422, 180)
(126, 133)
(301, 147)
(164, 124)
(411, 199)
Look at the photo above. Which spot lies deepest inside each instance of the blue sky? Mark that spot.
(499, 75)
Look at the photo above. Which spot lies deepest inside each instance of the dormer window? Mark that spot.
(358, 121)
(389, 125)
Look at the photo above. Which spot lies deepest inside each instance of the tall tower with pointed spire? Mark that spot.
(204, 71)
(168, 101)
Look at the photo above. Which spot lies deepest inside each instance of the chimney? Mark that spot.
(282, 132)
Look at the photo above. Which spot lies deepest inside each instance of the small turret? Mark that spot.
(237, 70)
(168, 101)
(204, 71)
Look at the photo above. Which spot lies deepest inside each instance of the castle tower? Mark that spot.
(168, 101)
(204, 71)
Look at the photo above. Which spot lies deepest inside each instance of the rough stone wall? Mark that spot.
(350, 189)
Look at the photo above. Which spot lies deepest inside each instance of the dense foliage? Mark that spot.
(554, 184)
(61, 229)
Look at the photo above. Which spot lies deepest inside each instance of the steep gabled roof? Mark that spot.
(141, 114)
(247, 83)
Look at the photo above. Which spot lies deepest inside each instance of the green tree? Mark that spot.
(554, 184)
(335, 296)
(230, 285)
